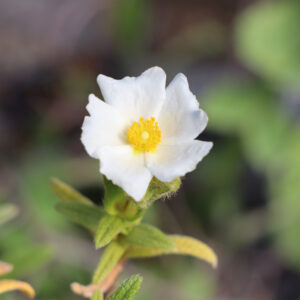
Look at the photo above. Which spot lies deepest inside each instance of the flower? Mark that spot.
(144, 129)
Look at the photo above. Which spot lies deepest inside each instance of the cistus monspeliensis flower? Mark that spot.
(144, 130)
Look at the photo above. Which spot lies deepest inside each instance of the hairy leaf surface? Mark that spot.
(184, 246)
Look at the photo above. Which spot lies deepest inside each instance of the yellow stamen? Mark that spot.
(144, 136)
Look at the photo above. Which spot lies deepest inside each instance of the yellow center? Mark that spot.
(144, 136)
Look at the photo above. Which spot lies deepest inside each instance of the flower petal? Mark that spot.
(105, 126)
(172, 161)
(135, 97)
(125, 169)
(180, 118)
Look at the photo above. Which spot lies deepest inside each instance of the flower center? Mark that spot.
(144, 136)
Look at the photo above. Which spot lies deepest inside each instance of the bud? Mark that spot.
(117, 203)
(158, 189)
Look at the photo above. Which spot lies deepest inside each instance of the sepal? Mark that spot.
(158, 189)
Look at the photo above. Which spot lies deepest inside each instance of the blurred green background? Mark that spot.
(242, 59)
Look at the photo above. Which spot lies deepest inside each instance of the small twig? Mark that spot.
(105, 286)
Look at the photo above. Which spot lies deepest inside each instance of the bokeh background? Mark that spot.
(242, 59)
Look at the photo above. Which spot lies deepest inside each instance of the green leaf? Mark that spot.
(149, 236)
(268, 40)
(184, 246)
(97, 295)
(7, 212)
(67, 194)
(231, 107)
(111, 255)
(108, 228)
(87, 216)
(128, 289)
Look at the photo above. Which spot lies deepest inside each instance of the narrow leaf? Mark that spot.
(108, 228)
(12, 285)
(87, 216)
(149, 236)
(184, 246)
(128, 289)
(97, 295)
(111, 255)
(67, 194)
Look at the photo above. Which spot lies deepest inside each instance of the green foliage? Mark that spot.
(128, 289)
(108, 228)
(87, 216)
(149, 236)
(67, 194)
(97, 295)
(120, 234)
(28, 259)
(110, 257)
(130, 20)
(285, 206)
(36, 191)
(184, 246)
(249, 111)
(268, 40)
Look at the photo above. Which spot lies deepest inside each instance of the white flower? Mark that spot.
(144, 129)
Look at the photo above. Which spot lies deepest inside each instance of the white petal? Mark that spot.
(180, 118)
(171, 161)
(104, 126)
(125, 169)
(135, 97)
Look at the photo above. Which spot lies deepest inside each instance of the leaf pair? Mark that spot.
(140, 235)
